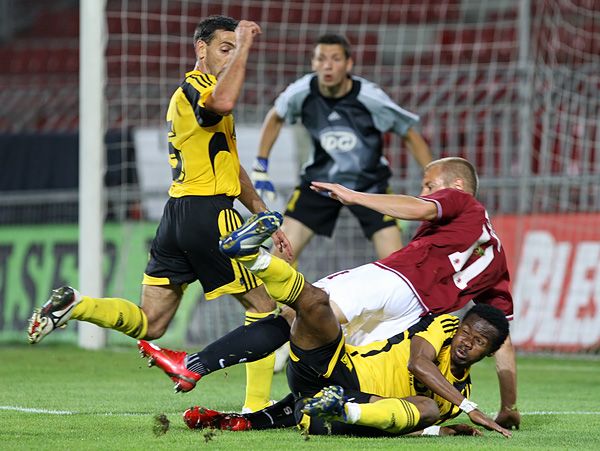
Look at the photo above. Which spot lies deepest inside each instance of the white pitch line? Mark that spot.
(134, 414)
(29, 410)
(74, 412)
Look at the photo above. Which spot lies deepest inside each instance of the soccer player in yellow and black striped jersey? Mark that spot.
(207, 177)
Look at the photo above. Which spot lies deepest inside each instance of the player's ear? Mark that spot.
(458, 184)
(349, 65)
(200, 49)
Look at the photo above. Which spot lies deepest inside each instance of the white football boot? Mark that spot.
(54, 313)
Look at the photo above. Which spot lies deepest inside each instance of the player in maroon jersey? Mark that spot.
(454, 257)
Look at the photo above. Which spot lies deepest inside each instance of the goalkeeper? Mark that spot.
(346, 117)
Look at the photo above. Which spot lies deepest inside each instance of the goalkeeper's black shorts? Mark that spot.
(319, 213)
(186, 247)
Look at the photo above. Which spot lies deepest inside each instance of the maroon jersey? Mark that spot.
(454, 258)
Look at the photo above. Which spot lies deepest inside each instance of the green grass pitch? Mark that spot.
(56, 396)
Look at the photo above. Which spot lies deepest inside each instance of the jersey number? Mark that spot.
(176, 161)
(463, 276)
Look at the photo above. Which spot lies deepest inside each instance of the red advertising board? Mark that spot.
(554, 262)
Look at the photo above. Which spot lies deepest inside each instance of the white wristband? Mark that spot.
(467, 406)
(431, 430)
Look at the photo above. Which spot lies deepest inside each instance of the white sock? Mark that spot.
(261, 262)
(352, 412)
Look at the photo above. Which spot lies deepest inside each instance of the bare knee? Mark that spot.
(159, 304)
(313, 301)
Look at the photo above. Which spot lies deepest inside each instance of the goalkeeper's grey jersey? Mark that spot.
(347, 133)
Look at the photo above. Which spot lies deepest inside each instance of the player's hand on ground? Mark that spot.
(480, 418)
(245, 32)
(336, 191)
(509, 418)
(283, 245)
(460, 429)
(261, 181)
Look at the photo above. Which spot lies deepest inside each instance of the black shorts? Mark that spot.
(309, 371)
(319, 213)
(186, 247)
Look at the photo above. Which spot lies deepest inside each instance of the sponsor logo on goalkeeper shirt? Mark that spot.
(338, 141)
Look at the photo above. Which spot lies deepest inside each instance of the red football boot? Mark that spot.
(172, 363)
(200, 417)
(235, 422)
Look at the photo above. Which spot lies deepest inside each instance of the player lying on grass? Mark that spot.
(454, 257)
(407, 368)
(400, 385)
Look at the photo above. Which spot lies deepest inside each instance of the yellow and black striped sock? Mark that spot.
(393, 415)
(113, 313)
(282, 281)
(259, 374)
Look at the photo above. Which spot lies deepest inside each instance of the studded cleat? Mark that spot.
(53, 314)
(235, 422)
(327, 404)
(201, 418)
(247, 239)
(172, 363)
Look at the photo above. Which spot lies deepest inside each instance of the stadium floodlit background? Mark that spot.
(513, 86)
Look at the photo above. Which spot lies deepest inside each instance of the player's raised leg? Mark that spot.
(315, 323)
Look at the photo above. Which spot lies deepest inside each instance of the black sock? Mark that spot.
(244, 344)
(279, 415)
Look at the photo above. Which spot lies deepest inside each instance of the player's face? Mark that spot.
(331, 65)
(472, 341)
(433, 180)
(214, 57)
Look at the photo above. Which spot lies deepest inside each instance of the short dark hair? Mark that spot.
(205, 31)
(458, 168)
(496, 318)
(335, 39)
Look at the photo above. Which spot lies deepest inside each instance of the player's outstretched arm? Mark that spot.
(396, 205)
(268, 135)
(422, 365)
(506, 369)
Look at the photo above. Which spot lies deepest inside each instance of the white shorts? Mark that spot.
(378, 303)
